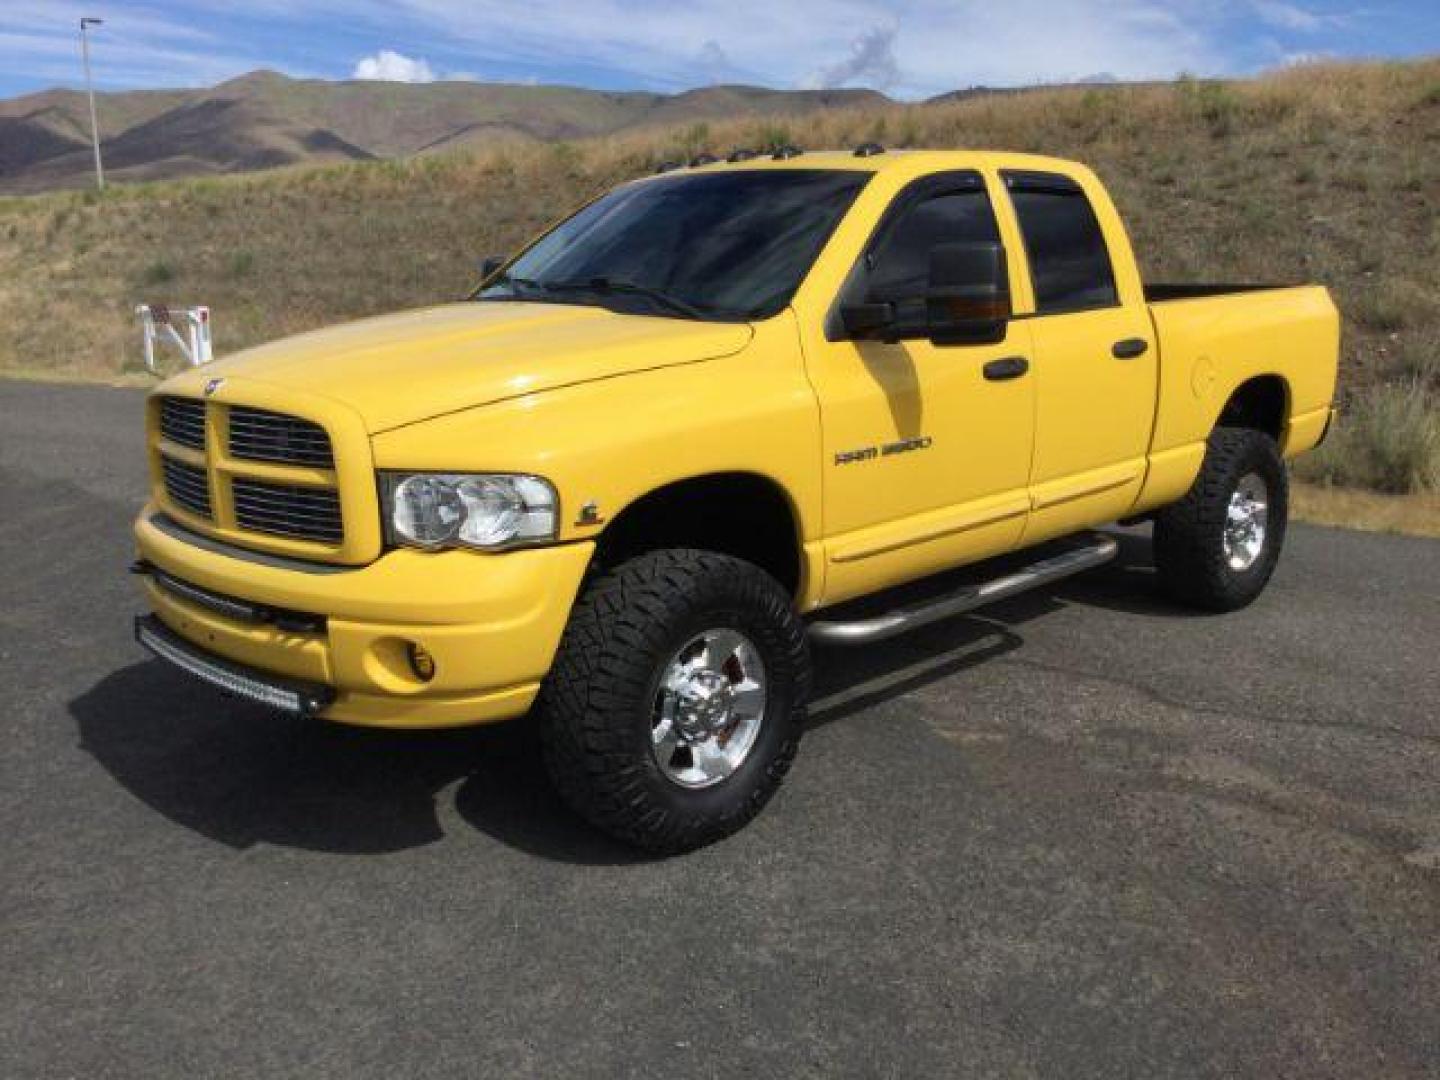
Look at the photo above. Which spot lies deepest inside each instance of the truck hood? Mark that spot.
(397, 369)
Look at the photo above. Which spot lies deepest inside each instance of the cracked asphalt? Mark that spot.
(1082, 834)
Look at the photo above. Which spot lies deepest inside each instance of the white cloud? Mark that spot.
(940, 47)
(712, 62)
(1304, 59)
(1285, 16)
(390, 66)
(871, 63)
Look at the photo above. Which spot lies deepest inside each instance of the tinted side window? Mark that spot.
(900, 263)
(1068, 260)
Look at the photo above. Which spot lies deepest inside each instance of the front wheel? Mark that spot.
(676, 702)
(1216, 548)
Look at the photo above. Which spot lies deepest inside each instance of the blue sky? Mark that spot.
(909, 48)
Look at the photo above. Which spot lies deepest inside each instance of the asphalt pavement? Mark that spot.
(1081, 834)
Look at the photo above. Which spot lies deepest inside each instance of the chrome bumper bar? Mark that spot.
(287, 695)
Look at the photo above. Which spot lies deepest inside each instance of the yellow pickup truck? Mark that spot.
(707, 420)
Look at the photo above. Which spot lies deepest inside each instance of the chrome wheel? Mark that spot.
(1245, 520)
(709, 707)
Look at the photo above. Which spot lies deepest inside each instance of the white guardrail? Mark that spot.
(157, 321)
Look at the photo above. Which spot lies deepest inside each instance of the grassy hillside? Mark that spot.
(1329, 174)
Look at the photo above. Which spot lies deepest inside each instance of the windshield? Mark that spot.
(721, 246)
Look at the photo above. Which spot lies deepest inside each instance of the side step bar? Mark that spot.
(1096, 551)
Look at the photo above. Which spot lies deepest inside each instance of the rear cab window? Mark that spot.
(1069, 263)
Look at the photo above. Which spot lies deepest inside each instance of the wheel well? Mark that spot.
(1260, 404)
(737, 514)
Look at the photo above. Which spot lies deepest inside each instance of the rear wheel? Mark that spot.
(676, 702)
(1216, 548)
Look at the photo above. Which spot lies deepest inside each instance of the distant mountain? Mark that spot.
(265, 119)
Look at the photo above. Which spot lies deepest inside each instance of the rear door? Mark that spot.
(1095, 355)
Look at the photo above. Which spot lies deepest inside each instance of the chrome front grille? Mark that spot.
(261, 435)
(182, 421)
(252, 475)
(300, 513)
(187, 486)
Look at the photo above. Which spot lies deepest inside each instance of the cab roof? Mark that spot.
(881, 160)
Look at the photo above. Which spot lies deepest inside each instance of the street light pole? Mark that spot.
(85, 25)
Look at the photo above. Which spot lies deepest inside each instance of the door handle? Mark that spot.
(1011, 367)
(1129, 348)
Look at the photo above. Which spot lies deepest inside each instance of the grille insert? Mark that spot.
(187, 486)
(261, 435)
(300, 513)
(182, 421)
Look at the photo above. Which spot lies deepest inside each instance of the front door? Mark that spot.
(926, 447)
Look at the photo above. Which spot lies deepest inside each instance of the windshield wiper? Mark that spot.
(609, 285)
(516, 282)
(603, 285)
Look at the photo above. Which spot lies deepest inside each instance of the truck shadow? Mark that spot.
(241, 775)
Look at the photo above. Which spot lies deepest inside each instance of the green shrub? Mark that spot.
(158, 272)
(1417, 360)
(909, 134)
(568, 159)
(1390, 302)
(240, 264)
(1387, 440)
(1214, 102)
(695, 138)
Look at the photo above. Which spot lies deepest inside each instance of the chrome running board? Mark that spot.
(1096, 550)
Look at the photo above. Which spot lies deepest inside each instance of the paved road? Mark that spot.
(1082, 835)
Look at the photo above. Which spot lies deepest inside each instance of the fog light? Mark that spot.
(421, 662)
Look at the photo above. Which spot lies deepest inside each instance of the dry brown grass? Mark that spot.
(1417, 514)
(1326, 173)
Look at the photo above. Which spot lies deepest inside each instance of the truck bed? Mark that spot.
(1215, 337)
(1160, 292)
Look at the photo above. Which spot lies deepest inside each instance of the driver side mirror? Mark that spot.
(863, 322)
(968, 298)
(966, 301)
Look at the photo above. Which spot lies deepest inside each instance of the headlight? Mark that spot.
(434, 510)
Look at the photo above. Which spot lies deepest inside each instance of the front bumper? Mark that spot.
(491, 623)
